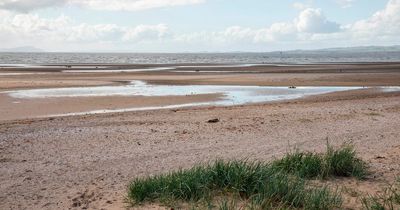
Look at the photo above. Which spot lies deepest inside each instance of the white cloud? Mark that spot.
(313, 21)
(383, 24)
(113, 5)
(300, 5)
(28, 25)
(276, 32)
(28, 5)
(30, 29)
(146, 32)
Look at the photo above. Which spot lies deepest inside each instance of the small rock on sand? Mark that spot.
(213, 120)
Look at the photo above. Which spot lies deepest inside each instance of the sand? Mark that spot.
(61, 162)
(16, 109)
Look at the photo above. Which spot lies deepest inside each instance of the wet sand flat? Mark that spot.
(369, 74)
(17, 109)
(55, 163)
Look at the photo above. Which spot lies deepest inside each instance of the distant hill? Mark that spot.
(367, 48)
(22, 49)
(393, 48)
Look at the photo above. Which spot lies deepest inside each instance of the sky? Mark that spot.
(197, 25)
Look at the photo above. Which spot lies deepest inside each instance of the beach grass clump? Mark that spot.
(184, 185)
(260, 185)
(341, 162)
(302, 164)
(255, 182)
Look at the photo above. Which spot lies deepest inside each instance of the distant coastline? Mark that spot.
(331, 55)
(372, 48)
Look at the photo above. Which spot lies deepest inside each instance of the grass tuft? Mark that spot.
(344, 163)
(305, 165)
(341, 163)
(256, 182)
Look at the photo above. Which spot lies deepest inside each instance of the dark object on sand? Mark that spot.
(213, 120)
(292, 87)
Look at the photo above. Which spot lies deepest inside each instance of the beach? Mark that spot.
(51, 159)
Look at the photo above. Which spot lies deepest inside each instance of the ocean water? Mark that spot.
(293, 57)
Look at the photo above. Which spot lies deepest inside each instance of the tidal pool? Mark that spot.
(230, 94)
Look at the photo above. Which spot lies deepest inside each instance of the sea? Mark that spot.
(293, 57)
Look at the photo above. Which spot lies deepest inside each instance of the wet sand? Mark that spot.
(60, 162)
(17, 109)
(373, 74)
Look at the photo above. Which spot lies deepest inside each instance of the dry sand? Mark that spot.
(58, 163)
